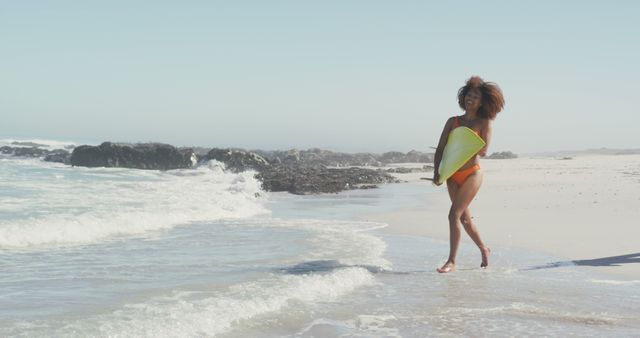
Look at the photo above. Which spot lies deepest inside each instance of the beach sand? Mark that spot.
(584, 209)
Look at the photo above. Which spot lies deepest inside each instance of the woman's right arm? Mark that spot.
(438, 156)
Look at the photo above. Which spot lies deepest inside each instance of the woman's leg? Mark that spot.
(470, 227)
(454, 232)
(461, 198)
(472, 231)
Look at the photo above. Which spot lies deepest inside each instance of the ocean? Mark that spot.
(113, 252)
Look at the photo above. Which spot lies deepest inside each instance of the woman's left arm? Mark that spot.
(486, 136)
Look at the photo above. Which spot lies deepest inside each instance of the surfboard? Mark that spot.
(461, 146)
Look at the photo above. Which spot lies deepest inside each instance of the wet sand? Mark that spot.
(585, 210)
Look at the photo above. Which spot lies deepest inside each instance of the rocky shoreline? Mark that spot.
(295, 171)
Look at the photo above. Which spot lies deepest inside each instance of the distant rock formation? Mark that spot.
(56, 155)
(336, 159)
(404, 170)
(411, 157)
(23, 151)
(139, 156)
(320, 179)
(299, 174)
(296, 171)
(237, 160)
(502, 155)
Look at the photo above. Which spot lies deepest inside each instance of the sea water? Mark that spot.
(205, 252)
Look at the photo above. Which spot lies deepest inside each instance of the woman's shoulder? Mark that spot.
(485, 125)
(453, 118)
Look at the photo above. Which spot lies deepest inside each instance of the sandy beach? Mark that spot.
(583, 209)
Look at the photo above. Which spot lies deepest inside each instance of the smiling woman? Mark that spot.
(481, 101)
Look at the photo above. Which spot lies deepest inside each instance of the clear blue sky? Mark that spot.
(343, 75)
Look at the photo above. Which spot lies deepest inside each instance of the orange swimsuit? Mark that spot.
(461, 175)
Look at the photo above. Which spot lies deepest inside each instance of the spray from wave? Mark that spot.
(82, 206)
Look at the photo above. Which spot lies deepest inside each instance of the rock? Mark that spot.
(392, 157)
(299, 172)
(139, 156)
(415, 156)
(24, 151)
(56, 155)
(59, 156)
(400, 170)
(237, 160)
(6, 150)
(319, 179)
(328, 158)
(502, 155)
(296, 171)
(317, 156)
(404, 170)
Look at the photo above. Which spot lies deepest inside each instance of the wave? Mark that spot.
(349, 243)
(40, 143)
(194, 314)
(83, 205)
(210, 310)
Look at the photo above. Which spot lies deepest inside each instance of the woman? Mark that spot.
(481, 102)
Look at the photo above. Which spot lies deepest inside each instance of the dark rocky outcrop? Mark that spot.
(199, 151)
(403, 170)
(237, 160)
(502, 155)
(55, 155)
(139, 156)
(317, 156)
(296, 171)
(415, 156)
(319, 179)
(24, 151)
(59, 156)
(329, 158)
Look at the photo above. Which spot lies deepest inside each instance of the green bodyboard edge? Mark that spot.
(461, 146)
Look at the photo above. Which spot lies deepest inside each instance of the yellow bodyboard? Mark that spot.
(461, 146)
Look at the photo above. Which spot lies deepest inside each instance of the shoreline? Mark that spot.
(552, 206)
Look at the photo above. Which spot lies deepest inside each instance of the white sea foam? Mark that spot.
(616, 282)
(347, 242)
(89, 205)
(43, 143)
(201, 314)
(361, 326)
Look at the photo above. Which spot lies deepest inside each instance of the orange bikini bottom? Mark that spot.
(461, 175)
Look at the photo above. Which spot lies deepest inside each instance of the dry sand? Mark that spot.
(584, 209)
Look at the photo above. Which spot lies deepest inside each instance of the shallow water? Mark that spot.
(118, 252)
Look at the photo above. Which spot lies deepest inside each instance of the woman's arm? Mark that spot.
(486, 136)
(443, 141)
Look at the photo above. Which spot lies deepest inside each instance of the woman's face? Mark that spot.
(473, 99)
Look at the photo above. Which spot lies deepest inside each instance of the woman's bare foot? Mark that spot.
(485, 251)
(447, 267)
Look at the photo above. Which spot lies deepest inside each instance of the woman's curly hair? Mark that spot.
(492, 99)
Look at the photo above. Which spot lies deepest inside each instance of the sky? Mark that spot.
(342, 75)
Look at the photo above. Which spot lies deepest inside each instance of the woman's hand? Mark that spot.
(436, 178)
